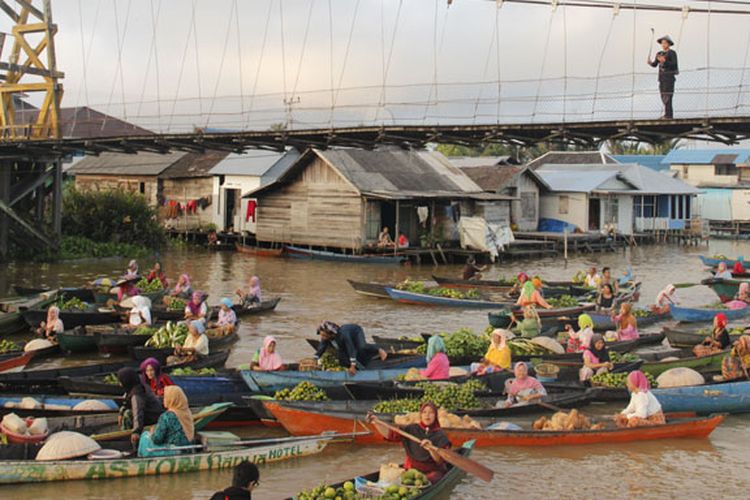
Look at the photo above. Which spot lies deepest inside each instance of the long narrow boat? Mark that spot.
(161, 313)
(693, 315)
(437, 490)
(11, 310)
(725, 289)
(704, 363)
(713, 262)
(215, 344)
(53, 406)
(273, 450)
(603, 322)
(45, 352)
(71, 319)
(80, 293)
(407, 297)
(506, 286)
(258, 251)
(679, 337)
(117, 340)
(77, 340)
(370, 289)
(502, 319)
(304, 253)
(17, 363)
(729, 397)
(306, 422)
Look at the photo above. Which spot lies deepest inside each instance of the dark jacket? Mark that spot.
(146, 408)
(350, 346)
(232, 493)
(669, 67)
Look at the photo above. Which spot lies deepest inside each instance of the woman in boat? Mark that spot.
(531, 325)
(140, 313)
(608, 280)
(141, 406)
(132, 270)
(156, 273)
(592, 278)
(521, 280)
(606, 298)
(595, 358)
(195, 345)
(174, 428)
(350, 345)
(722, 273)
(742, 298)
(182, 288)
(438, 365)
(498, 355)
(585, 331)
(530, 295)
(471, 270)
(718, 340)
(738, 269)
(227, 320)
(196, 308)
(266, 359)
(523, 389)
(253, 295)
(152, 377)
(627, 324)
(737, 363)
(644, 409)
(52, 326)
(664, 300)
(384, 239)
(420, 456)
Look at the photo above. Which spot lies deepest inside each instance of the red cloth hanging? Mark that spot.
(251, 206)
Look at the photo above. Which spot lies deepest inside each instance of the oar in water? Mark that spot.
(453, 458)
(253, 442)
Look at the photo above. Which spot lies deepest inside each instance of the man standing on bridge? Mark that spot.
(666, 59)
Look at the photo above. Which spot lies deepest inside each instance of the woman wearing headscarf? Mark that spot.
(227, 318)
(143, 406)
(152, 377)
(266, 359)
(195, 345)
(664, 300)
(719, 339)
(196, 308)
(595, 358)
(140, 313)
(742, 299)
(52, 326)
(627, 324)
(438, 365)
(722, 273)
(420, 456)
(738, 269)
(575, 338)
(737, 363)
(132, 269)
(174, 427)
(182, 288)
(644, 409)
(156, 273)
(521, 280)
(523, 389)
(498, 355)
(253, 295)
(531, 325)
(531, 296)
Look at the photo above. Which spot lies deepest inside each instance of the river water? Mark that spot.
(314, 291)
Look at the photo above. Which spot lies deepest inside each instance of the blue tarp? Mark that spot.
(555, 226)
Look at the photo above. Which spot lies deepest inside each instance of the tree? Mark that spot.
(627, 147)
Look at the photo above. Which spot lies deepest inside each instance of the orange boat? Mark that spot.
(306, 422)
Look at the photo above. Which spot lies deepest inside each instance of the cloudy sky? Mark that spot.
(174, 64)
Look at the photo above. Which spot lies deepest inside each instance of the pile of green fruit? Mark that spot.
(416, 338)
(579, 278)
(464, 342)
(412, 286)
(402, 405)
(169, 335)
(563, 301)
(453, 293)
(720, 256)
(7, 346)
(413, 477)
(449, 396)
(525, 347)
(191, 372)
(176, 305)
(617, 380)
(304, 391)
(111, 379)
(329, 361)
(641, 313)
(144, 330)
(72, 304)
(146, 286)
(625, 357)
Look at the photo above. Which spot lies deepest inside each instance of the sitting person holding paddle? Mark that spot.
(423, 456)
(523, 389)
(174, 427)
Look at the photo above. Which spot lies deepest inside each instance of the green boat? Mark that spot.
(679, 337)
(725, 289)
(77, 340)
(11, 309)
(702, 364)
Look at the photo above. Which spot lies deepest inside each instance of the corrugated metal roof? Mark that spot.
(193, 165)
(567, 181)
(570, 158)
(704, 156)
(280, 167)
(479, 161)
(124, 164)
(654, 162)
(251, 163)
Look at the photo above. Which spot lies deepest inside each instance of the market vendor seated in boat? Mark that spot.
(438, 365)
(741, 299)
(530, 325)
(196, 344)
(471, 270)
(718, 340)
(664, 300)
(576, 339)
(592, 278)
(644, 409)
(153, 378)
(174, 427)
(252, 297)
(605, 300)
(531, 295)
(595, 358)
(384, 239)
(155, 274)
(182, 289)
(523, 389)
(627, 324)
(350, 344)
(196, 308)
(722, 273)
(266, 359)
(521, 280)
(607, 279)
(736, 364)
(227, 319)
(141, 406)
(420, 456)
(140, 312)
(52, 326)
(497, 357)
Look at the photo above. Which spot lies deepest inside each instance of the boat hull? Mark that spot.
(259, 251)
(704, 364)
(72, 319)
(548, 316)
(432, 300)
(694, 315)
(711, 262)
(75, 341)
(683, 338)
(731, 397)
(725, 289)
(303, 253)
(370, 289)
(603, 322)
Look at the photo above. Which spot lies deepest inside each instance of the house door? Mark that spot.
(595, 214)
(230, 207)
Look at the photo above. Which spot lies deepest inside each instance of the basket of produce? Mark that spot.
(546, 372)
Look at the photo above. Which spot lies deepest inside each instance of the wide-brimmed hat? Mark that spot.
(667, 38)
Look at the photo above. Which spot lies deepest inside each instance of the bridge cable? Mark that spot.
(632, 64)
(182, 68)
(565, 61)
(118, 72)
(742, 75)
(388, 63)
(346, 58)
(708, 57)
(197, 59)
(85, 56)
(435, 86)
(544, 58)
(239, 59)
(498, 70)
(301, 59)
(283, 56)
(155, 25)
(487, 59)
(615, 13)
(330, 59)
(227, 31)
(260, 62)
(151, 54)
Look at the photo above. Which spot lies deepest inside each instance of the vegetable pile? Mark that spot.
(304, 391)
(176, 305)
(625, 357)
(525, 347)
(72, 304)
(641, 313)
(348, 492)
(170, 335)
(462, 342)
(111, 379)
(452, 293)
(448, 396)
(7, 346)
(329, 361)
(144, 330)
(191, 372)
(562, 301)
(617, 380)
(146, 286)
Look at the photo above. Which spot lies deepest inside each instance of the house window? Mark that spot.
(372, 221)
(142, 187)
(688, 211)
(648, 206)
(725, 169)
(611, 210)
(564, 201)
(685, 170)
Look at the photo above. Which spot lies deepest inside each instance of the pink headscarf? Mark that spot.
(266, 360)
(639, 381)
(517, 385)
(744, 287)
(195, 303)
(255, 287)
(183, 283)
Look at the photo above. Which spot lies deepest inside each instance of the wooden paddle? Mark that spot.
(453, 458)
(115, 435)
(253, 442)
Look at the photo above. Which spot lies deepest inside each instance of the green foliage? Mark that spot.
(448, 396)
(78, 247)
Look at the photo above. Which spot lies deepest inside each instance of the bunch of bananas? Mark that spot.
(525, 347)
(563, 301)
(169, 335)
(617, 380)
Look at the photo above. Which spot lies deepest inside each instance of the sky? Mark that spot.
(171, 65)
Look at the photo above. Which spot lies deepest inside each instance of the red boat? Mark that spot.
(259, 251)
(300, 422)
(16, 364)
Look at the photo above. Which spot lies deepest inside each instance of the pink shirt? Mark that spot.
(628, 333)
(590, 357)
(438, 368)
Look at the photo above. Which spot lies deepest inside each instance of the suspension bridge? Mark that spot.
(196, 76)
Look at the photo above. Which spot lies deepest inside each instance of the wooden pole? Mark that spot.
(5, 168)
(565, 244)
(395, 233)
(57, 199)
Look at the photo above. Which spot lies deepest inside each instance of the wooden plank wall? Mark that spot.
(184, 190)
(318, 208)
(130, 184)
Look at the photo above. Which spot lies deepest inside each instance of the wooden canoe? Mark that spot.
(725, 289)
(502, 319)
(680, 337)
(494, 285)
(407, 297)
(71, 319)
(702, 364)
(215, 344)
(304, 253)
(30, 471)
(11, 310)
(713, 262)
(603, 322)
(161, 313)
(77, 340)
(118, 340)
(17, 363)
(52, 406)
(370, 289)
(728, 397)
(694, 315)
(80, 293)
(306, 422)
(259, 251)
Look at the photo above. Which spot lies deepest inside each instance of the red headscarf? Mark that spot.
(721, 320)
(738, 268)
(435, 425)
(639, 380)
(522, 276)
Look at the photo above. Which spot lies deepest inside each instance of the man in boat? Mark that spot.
(350, 344)
(245, 479)
(472, 271)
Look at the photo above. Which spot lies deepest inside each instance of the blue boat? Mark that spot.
(712, 262)
(304, 253)
(53, 405)
(604, 321)
(434, 300)
(694, 315)
(731, 397)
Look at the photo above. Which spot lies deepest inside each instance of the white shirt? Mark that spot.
(642, 405)
(200, 345)
(593, 281)
(140, 316)
(204, 310)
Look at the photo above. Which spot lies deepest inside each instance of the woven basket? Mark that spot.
(547, 370)
(308, 364)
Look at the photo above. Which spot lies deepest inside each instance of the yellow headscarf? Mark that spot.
(176, 402)
(585, 321)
